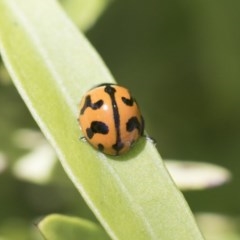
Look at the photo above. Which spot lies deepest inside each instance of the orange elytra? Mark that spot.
(110, 119)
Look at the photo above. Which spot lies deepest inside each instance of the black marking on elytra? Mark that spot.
(128, 101)
(110, 90)
(97, 127)
(132, 124)
(100, 147)
(118, 146)
(88, 103)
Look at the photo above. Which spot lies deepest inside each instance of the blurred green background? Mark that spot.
(181, 60)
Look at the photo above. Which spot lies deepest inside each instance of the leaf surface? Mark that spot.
(60, 227)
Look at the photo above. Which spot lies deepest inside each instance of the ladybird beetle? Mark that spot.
(110, 119)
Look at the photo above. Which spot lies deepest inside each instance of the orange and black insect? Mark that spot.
(110, 119)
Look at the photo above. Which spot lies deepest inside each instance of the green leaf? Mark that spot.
(52, 65)
(84, 13)
(60, 227)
